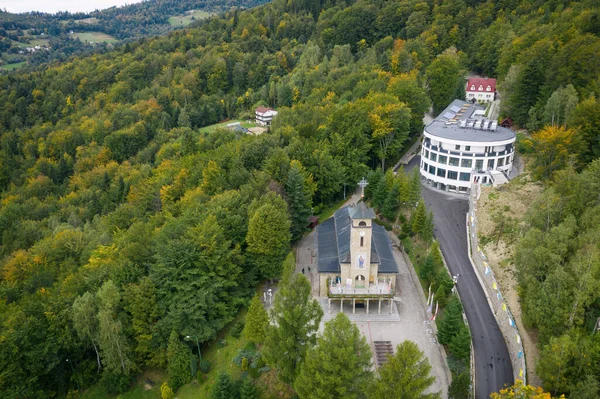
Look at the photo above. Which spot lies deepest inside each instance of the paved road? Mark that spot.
(492, 362)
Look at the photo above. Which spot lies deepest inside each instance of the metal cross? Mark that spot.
(363, 183)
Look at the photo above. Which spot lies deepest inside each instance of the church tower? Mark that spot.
(361, 233)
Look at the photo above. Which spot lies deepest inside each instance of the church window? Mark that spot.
(362, 241)
(362, 223)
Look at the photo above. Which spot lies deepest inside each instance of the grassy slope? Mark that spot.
(185, 20)
(95, 37)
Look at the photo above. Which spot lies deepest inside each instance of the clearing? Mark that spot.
(188, 18)
(223, 125)
(94, 37)
(12, 67)
(500, 214)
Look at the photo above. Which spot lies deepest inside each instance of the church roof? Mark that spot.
(361, 211)
(333, 243)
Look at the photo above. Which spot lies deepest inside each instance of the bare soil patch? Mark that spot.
(500, 214)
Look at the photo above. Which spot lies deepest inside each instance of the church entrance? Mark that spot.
(360, 281)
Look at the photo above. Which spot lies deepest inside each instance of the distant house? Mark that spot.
(264, 116)
(481, 89)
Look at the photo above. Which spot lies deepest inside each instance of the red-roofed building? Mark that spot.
(264, 116)
(481, 89)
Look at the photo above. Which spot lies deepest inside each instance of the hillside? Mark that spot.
(117, 213)
(34, 38)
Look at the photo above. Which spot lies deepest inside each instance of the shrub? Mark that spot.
(204, 366)
(237, 328)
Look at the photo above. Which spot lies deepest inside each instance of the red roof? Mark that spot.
(262, 110)
(481, 84)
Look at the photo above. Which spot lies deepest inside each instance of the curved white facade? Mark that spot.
(453, 157)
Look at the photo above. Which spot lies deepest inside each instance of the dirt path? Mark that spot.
(500, 215)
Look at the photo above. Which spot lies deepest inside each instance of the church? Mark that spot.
(355, 257)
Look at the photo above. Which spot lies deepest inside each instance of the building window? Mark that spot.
(479, 164)
(426, 154)
(466, 163)
(465, 176)
(433, 156)
(457, 147)
(362, 224)
(500, 162)
(425, 167)
(467, 148)
(441, 172)
(442, 159)
(452, 175)
(432, 169)
(362, 241)
(508, 159)
(453, 161)
(491, 163)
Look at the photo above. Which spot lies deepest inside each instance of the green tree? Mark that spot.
(418, 221)
(295, 320)
(445, 81)
(560, 106)
(298, 199)
(257, 320)
(392, 202)
(339, 366)
(409, 90)
(178, 362)
(585, 119)
(223, 388)
(85, 321)
(554, 147)
(248, 390)
(451, 322)
(460, 344)
(112, 339)
(405, 375)
(381, 193)
(268, 236)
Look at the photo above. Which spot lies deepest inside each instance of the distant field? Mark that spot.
(185, 20)
(223, 125)
(88, 21)
(96, 37)
(12, 67)
(39, 42)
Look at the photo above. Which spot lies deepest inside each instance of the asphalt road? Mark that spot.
(492, 362)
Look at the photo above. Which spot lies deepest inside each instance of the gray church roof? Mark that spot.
(448, 125)
(333, 243)
(361, 211)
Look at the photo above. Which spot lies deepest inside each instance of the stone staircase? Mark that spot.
(382, 350)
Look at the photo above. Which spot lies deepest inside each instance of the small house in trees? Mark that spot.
(481, 89)
(264, 116)
(355, 257)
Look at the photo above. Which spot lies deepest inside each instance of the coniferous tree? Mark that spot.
(392, 202)
(414, 187)
(295, 317)
(373, 179)
(257, 320)
(298, 199)
(451, 322)
(248, 390)
(380, 194)
(223, 387)
(419, 218)
(460, 344)
(178, 363)
(406, 374)
(339, 366)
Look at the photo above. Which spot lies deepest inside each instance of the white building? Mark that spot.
(264, 116)
(461, 146)
(482, 90)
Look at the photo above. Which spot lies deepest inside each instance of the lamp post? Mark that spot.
(73, 371)
(197, 343)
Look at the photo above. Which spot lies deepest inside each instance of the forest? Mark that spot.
(144, 19)
(124, 228)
